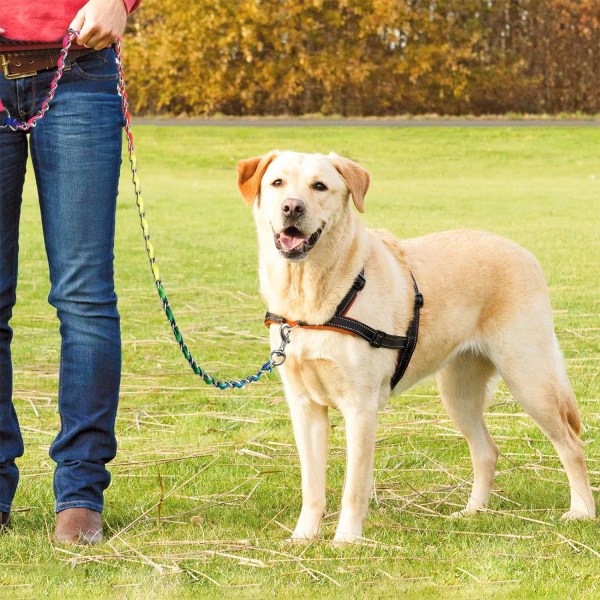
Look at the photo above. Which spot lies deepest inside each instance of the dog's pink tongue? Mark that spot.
(289, 242)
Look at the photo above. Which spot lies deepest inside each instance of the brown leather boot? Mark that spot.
(78, 526)
(4, 520)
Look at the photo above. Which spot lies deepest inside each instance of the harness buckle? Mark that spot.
(419, 300)
(377, 339)
(359, 282)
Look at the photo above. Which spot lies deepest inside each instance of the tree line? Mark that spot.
(364, 57)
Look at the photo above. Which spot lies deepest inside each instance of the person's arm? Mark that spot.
(101, 22)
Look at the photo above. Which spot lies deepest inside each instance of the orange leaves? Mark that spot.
(370, 57)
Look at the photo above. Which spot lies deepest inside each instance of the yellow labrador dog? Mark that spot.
(485, 314)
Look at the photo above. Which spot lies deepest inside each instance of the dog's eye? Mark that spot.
(277, 183)
(319, 186)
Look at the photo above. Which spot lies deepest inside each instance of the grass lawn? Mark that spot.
(206, 484)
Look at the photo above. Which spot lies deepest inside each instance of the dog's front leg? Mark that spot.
(311, 431)
(361, 427)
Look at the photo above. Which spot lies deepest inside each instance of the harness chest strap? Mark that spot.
(378, 339)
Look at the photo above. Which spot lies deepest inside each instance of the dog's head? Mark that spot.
(301, 196)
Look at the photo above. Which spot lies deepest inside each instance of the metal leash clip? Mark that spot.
(284, 331)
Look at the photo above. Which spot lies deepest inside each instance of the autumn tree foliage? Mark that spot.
(364, 57)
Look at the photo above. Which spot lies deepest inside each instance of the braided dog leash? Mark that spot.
(278, 356)
(60, 67)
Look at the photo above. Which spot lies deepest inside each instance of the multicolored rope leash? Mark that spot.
(60, 67)
(277, 356)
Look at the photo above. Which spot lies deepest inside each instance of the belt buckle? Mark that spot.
(8, 74)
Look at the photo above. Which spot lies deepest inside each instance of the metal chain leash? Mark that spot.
(277, 356)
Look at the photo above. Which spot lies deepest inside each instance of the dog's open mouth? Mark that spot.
(294, 244)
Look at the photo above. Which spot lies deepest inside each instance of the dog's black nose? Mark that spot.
(293, 207)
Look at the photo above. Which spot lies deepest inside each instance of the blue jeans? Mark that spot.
(76, 155)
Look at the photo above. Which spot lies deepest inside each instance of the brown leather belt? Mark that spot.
(18, 64)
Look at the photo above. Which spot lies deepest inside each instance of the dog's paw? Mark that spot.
(577, 515)
(299, 541)
(342, 538)
(466, 512)
(305, 535)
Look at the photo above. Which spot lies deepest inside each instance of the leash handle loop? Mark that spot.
(15, 125)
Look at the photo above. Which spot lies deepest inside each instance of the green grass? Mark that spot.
(206, 483)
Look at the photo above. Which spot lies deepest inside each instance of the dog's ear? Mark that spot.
(250, 173)
(356, 178)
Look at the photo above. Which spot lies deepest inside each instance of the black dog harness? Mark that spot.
(378, 339)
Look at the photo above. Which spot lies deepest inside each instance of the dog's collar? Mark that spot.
(378, 339)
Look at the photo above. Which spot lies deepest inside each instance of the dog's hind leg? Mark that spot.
(311, 431)
(538, 381)
(464, 384)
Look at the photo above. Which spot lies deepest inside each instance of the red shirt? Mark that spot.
(35, 21)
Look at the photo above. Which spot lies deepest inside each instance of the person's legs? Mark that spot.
(76, 152)
(13, 157)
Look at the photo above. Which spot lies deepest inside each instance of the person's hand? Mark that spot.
(100, 23)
